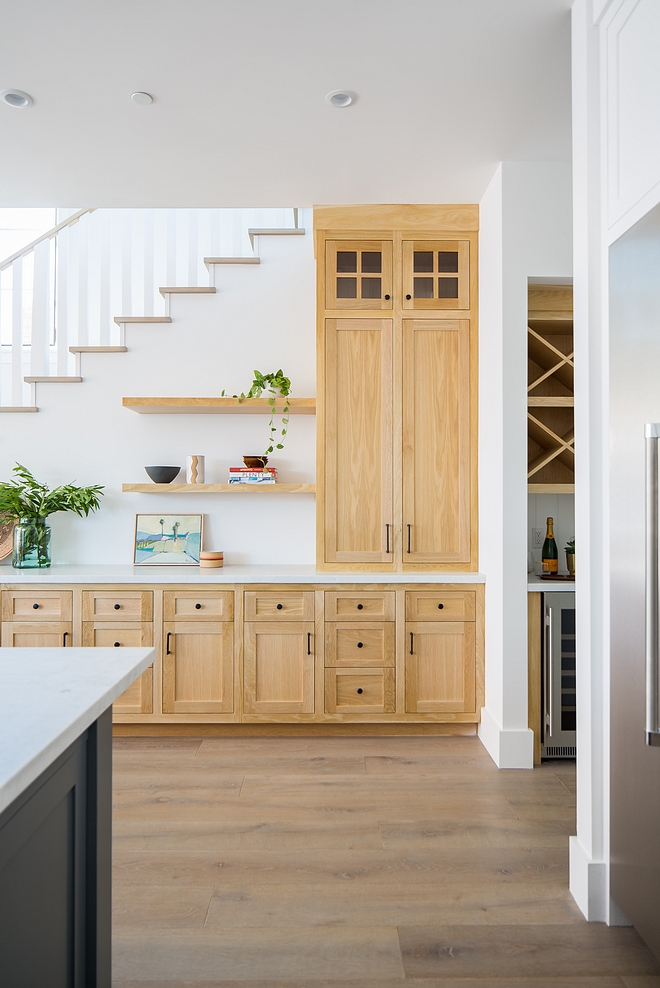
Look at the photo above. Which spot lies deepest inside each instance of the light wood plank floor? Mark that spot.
(350, 863)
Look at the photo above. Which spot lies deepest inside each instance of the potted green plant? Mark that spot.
(569, 549)
(30, 503)
(275, 384)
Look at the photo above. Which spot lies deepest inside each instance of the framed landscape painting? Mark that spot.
(167, 540)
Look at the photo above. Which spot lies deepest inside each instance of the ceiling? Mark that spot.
(446, 89)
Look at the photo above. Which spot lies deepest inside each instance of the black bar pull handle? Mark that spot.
(309, 643)
(64, 638)
(387, 538)
(167, 643)
(409, 527)
(411, 643)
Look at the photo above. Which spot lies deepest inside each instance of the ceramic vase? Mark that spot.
(194, 469)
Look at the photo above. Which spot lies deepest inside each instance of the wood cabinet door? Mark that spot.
(436, 441)
(138, 698)
(358, 437)
(358, 274)
(38, 635)
(440, 667)
(436, 274)
(279, 667)
(359, 644)
(198, 667)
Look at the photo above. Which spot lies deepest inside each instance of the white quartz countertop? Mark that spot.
(49, 696)
(536, 584)
(228, 574)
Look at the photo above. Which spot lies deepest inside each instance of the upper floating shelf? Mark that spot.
(215, 406)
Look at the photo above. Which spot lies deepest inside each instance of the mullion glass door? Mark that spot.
(358, 274)
(436, 274)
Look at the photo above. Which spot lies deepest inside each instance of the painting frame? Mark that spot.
(153, 545)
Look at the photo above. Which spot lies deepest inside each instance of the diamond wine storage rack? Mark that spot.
(550, 394)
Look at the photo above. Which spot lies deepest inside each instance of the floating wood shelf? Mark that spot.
(206, 406)
(550, 398)
(219, 488)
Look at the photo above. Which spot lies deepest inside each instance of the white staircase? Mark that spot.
(60, 293)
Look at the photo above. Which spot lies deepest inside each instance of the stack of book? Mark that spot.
(243, 475)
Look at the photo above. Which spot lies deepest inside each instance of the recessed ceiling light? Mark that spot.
(143, 98)
(340, 97)
(14, 97)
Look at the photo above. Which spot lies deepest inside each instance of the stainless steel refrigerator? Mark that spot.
(634, 377)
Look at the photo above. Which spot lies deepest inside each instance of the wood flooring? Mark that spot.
(350, 863)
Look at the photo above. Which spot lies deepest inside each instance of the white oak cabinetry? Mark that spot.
(368, 653)
(397, 401)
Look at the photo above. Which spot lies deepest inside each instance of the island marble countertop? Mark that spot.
(228, 574)
(49, 697)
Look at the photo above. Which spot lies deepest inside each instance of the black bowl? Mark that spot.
(162, 475)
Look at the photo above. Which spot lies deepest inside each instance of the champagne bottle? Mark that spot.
(549, 554)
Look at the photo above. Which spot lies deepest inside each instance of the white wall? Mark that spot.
(262, 317)
(525, 233)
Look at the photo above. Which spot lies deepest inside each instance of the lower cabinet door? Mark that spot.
(198, 667)
(440, 667)
(138, 698)
(359, 691)
(279, 667)
(37, 635)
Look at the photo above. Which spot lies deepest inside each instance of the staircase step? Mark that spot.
(187, 291)
(98, 349)
(231, 260)
(142, 319)
(52, 380)
(18, 408)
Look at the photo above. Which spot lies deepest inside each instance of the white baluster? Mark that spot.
(17, 332)
(126, 264)
(148, 272)
(83, 269)
(61, 301)
(102, 217)
(171, 247)
(40, 310)
(193, 257)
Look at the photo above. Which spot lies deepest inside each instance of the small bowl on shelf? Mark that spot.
(255, 462)
(162, 475)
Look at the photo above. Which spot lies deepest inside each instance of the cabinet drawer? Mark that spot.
(366, 691)
(370, 643)
(287, 606)
(131, 605)
(40, 605)
(109, 634)
(37, 634)
(344, 605)
(438, 605)
(207, 605)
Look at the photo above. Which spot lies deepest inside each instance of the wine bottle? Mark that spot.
(549, 554)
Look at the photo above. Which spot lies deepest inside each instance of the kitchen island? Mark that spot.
(55, 811)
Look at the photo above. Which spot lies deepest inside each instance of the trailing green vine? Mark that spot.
(276, 384)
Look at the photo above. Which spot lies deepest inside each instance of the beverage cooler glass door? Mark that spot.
(559, 676)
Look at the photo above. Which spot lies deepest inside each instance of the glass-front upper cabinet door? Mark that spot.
(436, 274)
(358, 274)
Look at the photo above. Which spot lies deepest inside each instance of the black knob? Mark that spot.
(408, 297)
(117, 607)
(36, 607)
(387, 297)
(117, 644)
(360, 606)
(360, 645)
(360, 690)
(198, 607)
(440, 606)
(279, 607)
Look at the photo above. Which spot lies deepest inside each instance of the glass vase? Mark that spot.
(31, 544)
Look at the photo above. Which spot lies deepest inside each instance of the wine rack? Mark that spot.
(550, 390)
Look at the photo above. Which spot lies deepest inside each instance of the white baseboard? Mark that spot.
(588, 883)
(508, 749)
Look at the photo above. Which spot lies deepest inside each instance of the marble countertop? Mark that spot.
(228, 574)
(536, 585)
(49, 696)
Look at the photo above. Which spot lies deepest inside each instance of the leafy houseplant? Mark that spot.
(569, 549)
(30, 503)
(276, 384)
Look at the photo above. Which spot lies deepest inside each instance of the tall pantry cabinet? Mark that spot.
(397, 381)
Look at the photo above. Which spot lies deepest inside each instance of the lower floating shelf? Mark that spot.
(219, 488)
